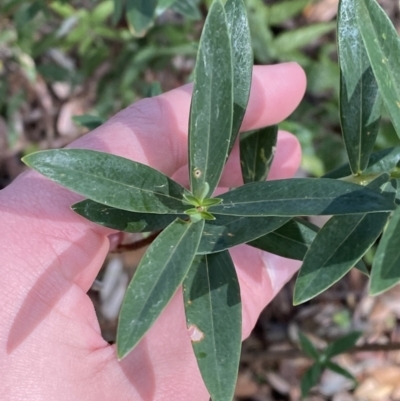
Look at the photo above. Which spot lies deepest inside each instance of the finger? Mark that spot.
(261, 276)
(154, 131)
(285, 164)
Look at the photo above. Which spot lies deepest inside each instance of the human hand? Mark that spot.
(50, 342)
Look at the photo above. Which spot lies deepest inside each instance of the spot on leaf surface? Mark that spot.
(196, 335)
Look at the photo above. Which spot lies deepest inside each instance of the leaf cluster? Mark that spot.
(198, 229)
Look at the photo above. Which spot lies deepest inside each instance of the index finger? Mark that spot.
(154, 131)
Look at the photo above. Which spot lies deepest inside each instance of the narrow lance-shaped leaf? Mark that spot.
(140, 15)
(300, 197)
(342, 344)
(310, 378)
(242, 55)
(257, 150)
(308, 347)
(338, 246)
(213, 313)
(292, 240)
(340, 371)
(228, 231)
(187, 8)
(382, 42)
(212, 104)
(384, 161)
(111, 180)
(160, 273)
(385, 271)
(123, 220)
(360, 102)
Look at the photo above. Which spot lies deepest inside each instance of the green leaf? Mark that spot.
(187, 8)
(228, 231)
(257, 150)
(308, 347)
(123, 220)
(213, 313)
(360, 103)
(158, 276)
(310, 378)
(384, 161)
(111, 180)
(242, 56)
(298, 38)
(342, 344)
(284, 10)
(340, 371)
(119, 6)
(300, 197)
(140, 15)
(381, 41)
(291, 240)
(385, 271)
(212, 103)
(88, 121)
(338, 246)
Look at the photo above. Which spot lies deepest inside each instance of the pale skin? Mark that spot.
(50, 342)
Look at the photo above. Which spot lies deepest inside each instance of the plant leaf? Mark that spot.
(342, 344)
(111, 180)
(385, 271)
(257, 150)
(360, 103)
(381, 41)
(119, 6)
(291, 240)
(338, 246)
(158, 276)
(123, 220)
(228, 231)
(308, 347)
(300, 37)
(384, 161)
(88, 121)
(340, 371)
(242, 56)
(310, 378)
(300, 197)
(187, 8)
(212, 103)
(140, 15)
(213, 313)
(284, 10)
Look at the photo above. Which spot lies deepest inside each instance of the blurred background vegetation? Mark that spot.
(67, 66)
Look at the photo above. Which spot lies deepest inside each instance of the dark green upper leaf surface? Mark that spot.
(212, 103)
(300, 197)
(339, 370)
(242, 56)
(111, 180)
(338, 246)
(123, 220)
(342, 344)
(385, 271)
(382, 43)
(360, 103)
(213, 313)
(140, 15)
(379, 162)
(308, 347)
(257, 150)
(291, 240)
(310, 378)
(160, 273)
(228, 231)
